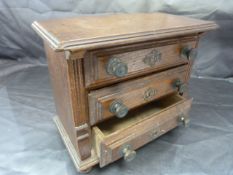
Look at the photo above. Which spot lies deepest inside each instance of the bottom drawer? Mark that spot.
(118, 138)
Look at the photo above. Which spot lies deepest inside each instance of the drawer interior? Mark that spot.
(141, 126)
(138, 115)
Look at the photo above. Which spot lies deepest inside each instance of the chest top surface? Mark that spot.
(86, 32)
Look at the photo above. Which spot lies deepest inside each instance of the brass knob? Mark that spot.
(118, 108)
(184, 119)
(116, 67)
(189, 53)
(128, 153)
(182, 87)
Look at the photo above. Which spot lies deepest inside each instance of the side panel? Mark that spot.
(70, 99)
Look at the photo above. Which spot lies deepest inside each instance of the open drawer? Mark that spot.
(116, 138)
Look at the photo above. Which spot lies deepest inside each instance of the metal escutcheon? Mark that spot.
(149, 93)
(128, 153)
(152, 58)
(189, 53)
(154, 133)
(118, 108)
(116, 67)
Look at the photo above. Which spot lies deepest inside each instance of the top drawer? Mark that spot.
(114, 64)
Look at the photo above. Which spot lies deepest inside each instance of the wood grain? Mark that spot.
(139, 128)
(58, 76)
(78, 50)
(134, 55)
(89, 32)
(70, 99)
(81, 165)
(132, 93)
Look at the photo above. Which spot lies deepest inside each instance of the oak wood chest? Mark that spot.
(119, 81)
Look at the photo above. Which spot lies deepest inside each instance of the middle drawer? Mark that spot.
(118, 99)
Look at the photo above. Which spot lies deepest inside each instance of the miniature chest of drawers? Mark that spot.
(119, 81)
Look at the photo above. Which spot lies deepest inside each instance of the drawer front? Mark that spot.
(107, 66)
(110, 147)
(128, 95)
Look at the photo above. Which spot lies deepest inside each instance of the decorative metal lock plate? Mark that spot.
(152, 58)
(154, 133)
(149, 93)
